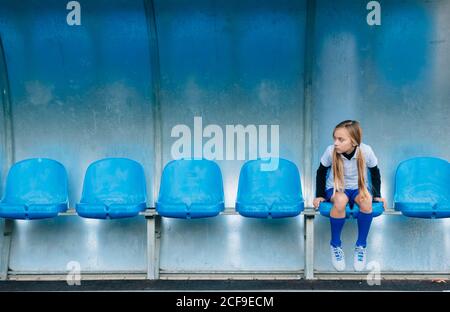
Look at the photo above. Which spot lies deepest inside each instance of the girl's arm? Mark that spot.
(376, 185)
(376, 181)
(321, 176)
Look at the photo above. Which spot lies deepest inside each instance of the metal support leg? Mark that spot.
(309, 245)
(6, 247)
(153, 244)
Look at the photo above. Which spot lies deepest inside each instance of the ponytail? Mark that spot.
(338, 172)
(361, 174)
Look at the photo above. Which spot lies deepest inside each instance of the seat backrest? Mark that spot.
(422, 179)
(36, 181)
(114, 180)
(191, 182)
(258, 186)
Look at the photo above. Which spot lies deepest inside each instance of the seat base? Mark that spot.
(424, 210)
(31, 211)
(193, 211)
(351, 212)
(274, 211)
(109, 211)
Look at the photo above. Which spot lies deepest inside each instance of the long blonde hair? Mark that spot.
(355, 132)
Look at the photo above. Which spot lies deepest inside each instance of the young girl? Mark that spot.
(347, 183)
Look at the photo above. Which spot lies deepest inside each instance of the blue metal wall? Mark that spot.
(79, 93)
(232, 62)
(102, 89)
(393, 78)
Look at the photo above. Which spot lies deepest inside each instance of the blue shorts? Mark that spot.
(351, 194)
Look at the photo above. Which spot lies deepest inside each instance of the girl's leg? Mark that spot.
(364, 219)
(337, 217)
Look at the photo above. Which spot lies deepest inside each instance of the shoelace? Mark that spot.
(338, 254)
(360, 251)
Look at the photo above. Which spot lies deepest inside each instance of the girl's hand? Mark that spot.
(317, 201)
(381, 199)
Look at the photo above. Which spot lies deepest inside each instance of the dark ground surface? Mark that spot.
(226, 285)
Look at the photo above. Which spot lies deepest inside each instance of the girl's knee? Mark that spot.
(365, 205)
(340, 200)
(365, 209)
(366, 201)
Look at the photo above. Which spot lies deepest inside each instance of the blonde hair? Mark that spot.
(355, 132)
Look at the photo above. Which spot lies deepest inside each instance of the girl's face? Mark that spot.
(342, 141)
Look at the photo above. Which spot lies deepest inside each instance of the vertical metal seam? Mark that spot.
(8, 133)
(8, 139)
(156, 104)
(308, 99)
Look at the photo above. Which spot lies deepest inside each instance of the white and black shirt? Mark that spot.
(324, 182)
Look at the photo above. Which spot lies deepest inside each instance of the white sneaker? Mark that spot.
(359, 258)
(337, 258)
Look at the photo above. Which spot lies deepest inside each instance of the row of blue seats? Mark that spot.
(116, 188)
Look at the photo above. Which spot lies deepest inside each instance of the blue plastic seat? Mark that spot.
(113, 188)
(352, 211)
(422, 188)
(35, 189)
(190, 189)
(269, 194)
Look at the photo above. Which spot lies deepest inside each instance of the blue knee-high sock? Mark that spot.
(336, 229)
(364, 221)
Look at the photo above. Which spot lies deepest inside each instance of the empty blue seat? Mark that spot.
(113, 188)
(190, 189)
(35, 189)
(269, 194)
(352, 211)
(422, 188)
